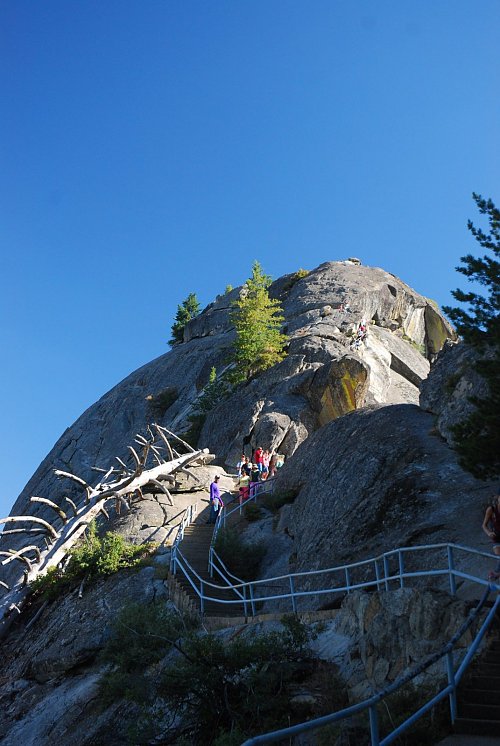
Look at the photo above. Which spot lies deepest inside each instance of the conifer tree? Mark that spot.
(257, 318)
(478, 437)
(186, 311)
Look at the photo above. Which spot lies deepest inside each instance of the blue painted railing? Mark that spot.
(370, 705)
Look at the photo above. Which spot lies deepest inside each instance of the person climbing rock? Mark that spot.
(491, 527)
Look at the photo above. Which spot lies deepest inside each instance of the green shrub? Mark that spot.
(139, 637)
(239, 687)
(252, 512)
(192, 435)
(93, 557)
(275, 500)
(293, 280)
(241, 558)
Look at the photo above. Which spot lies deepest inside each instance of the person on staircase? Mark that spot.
(215, 500)
(491, 527)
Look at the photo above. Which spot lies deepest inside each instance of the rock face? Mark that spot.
(381, 478)
(376, 637)
(452, 382)
(320, 379)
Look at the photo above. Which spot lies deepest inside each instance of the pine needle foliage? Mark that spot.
(257, 319)
(478, 437)
(187, 310)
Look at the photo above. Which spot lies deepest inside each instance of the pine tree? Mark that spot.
(214, 392)
(186, 311)
(478, 437)
(257, 318)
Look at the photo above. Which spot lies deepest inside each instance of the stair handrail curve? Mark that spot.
(382, 576)
(370, 704)
(186, 520)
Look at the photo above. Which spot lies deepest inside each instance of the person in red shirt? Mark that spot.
(258, 458)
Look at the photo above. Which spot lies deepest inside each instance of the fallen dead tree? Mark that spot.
(155, 462)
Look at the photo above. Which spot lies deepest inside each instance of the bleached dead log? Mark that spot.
(30, 519)
(126, 482)
(62, 515)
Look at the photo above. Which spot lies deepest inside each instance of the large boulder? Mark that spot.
(377, 479)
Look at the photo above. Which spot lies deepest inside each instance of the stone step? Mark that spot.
(488, 668)
(484, 682)
(476, 711)
(476, 727)
(479, 696)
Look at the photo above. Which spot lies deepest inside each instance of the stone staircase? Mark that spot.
(195, 548)
(479, 692)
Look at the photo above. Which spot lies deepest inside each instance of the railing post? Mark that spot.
(292, 591)
(401, 569)
(451, 567)
(374, 725)
(173, 562)
(211, 562)
(252, 602)
(202, 600)
(386, 572)
(377, 574)
(347, 580)
(451, 682)
(245, 602)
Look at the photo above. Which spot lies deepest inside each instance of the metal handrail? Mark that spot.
(371, 703)
(378, 579)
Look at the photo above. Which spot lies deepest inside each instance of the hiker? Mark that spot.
(215, 500)
(491, 527)
(266, 458)
(240, 465)
(255, 473)
(244, 493)
(246, 467)
(272, 465)
(258, 458)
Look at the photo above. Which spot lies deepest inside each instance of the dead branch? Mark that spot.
(32, 519)
(74, 478)
(4, 585)
(162, 488)
(165, 440)
(19, 557)
(62, 515)
(173, 435)
(13, 554)
(73, 506)
(190, 474)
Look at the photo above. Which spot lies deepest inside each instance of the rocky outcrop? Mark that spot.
(376, 637)
(452, 382)
(377, 479)
(320, 379)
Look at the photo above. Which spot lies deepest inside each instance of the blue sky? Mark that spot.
(152, 149)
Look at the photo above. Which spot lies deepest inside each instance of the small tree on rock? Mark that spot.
(186, 311)
(257, 318)
(478, 437)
